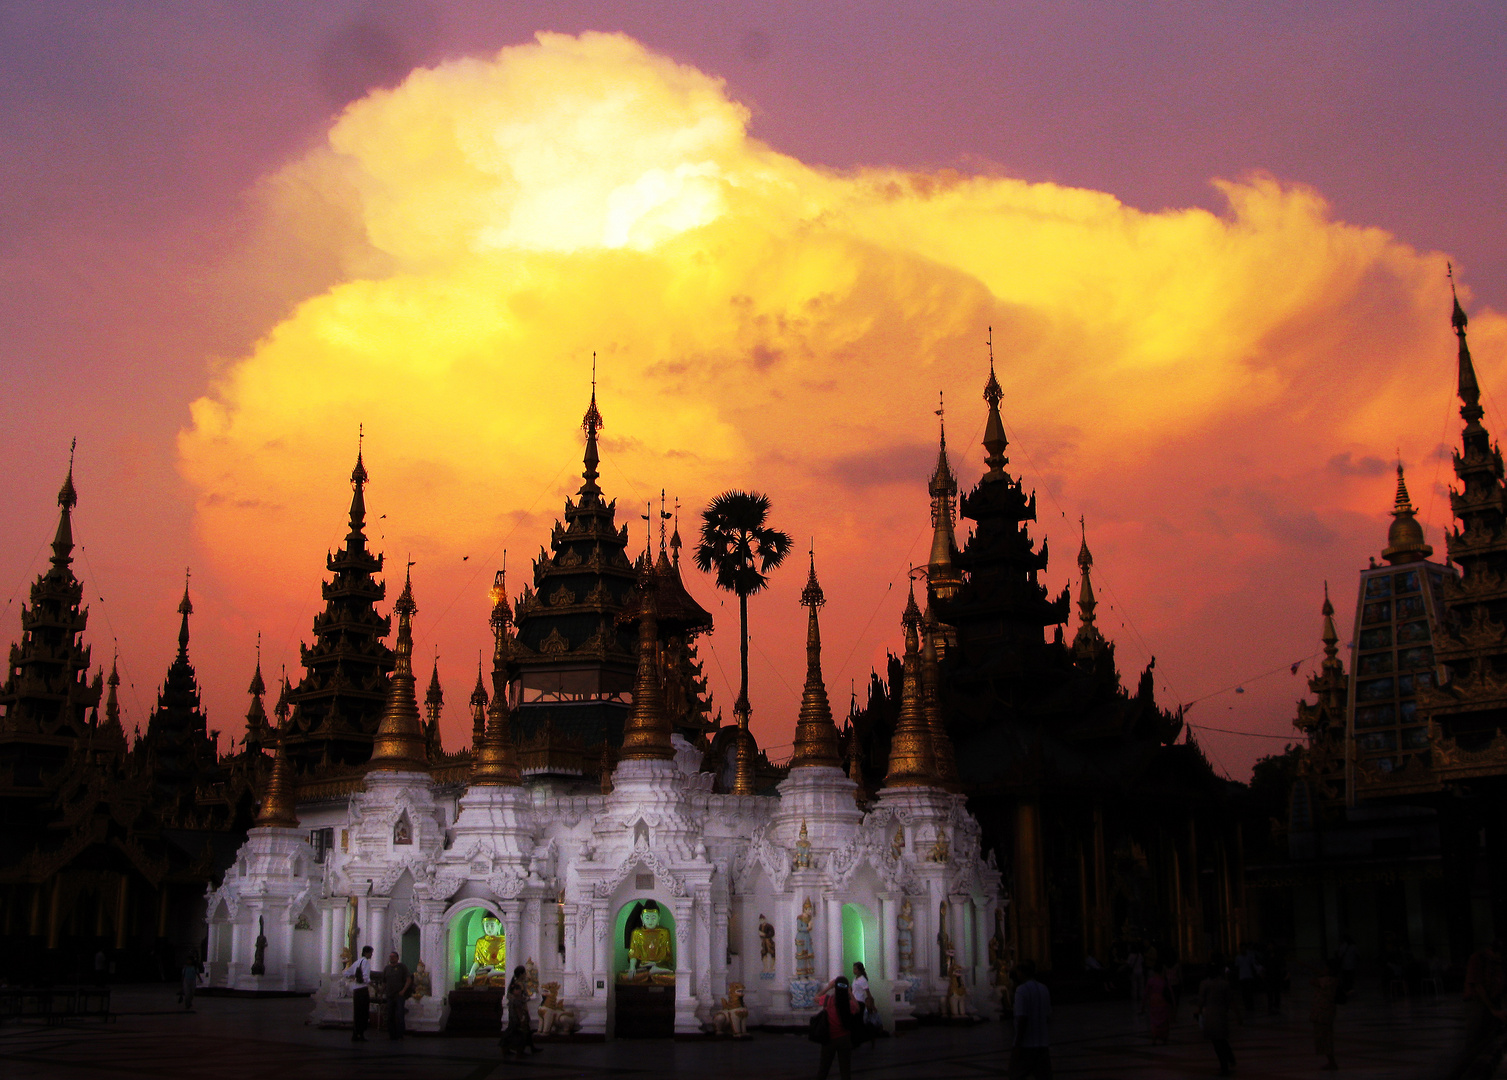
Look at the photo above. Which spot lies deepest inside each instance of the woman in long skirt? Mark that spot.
(1159, 1003)
(519, 1033)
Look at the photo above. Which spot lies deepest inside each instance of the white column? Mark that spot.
(324, 939)
(377, 938)
(685, 1001)
(533, 942)
(601, 925)
(981, 933)
(512, 935)
(571, 969)
(719, 948)
(834, 940)
(889, 936)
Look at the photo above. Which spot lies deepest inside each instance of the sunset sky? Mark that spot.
(1210, 239)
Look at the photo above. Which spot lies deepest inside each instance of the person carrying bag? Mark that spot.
(839, 1016)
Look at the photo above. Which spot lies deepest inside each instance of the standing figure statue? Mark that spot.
(939, 850)
(422, 985)
(531, 977)
(905, 927)
(897, 845)
(766, 944)
(487, 959)
(805, 956)
(732, 1016)
(259, 955)
(802, 860)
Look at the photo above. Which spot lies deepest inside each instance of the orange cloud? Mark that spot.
(484, 227)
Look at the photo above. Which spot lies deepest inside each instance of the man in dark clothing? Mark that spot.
(1031, 1056)
(397, 983)
(360, 975)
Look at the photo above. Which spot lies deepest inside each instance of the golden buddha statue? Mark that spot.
(487, 967)
(650, 951)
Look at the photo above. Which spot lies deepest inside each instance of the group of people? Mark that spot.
(397, 988)
(852, 1018)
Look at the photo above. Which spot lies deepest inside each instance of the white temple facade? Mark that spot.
(775, 892)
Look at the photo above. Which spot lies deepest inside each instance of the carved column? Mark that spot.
(601, 947)
(981, 934)
(702, 945)
(513, 949)
(533, 948)
(571, 981)
(889, 935)
(720, 909)
(432, 944)
(834, 941)
(685, 1001)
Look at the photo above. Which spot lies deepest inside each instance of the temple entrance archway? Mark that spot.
(644, 1005)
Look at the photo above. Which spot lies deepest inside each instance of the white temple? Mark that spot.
(410, 865)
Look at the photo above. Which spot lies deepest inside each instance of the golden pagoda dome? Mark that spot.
(1405, 537)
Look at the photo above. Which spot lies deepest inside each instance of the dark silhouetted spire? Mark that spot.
(591, 423)
(994, 428)
(646, 735)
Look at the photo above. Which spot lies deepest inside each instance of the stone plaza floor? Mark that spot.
(252, 1039)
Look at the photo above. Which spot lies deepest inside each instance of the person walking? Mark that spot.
(520, 1033)
(842, 1017)
(397, 984)
(1248, 969)
(1159, 1004)
(190, 976)
(1031, 1055)
(1216, 1003)
(360, 975)
(1325, 989)
(868, 1008)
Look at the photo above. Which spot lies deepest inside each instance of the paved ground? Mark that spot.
(241, 1039)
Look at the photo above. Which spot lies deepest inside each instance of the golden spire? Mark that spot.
(943, 757)
(277, 805)
(943, 579)
(912, 763)
(646, 736)
(1088, 637)
(1405, 537)
(399, 744)
(994, 429)
(356, 537)
(815, 733)
(502, 638)
(494, 764)
(743, 755)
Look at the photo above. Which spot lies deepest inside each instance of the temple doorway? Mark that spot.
(475, 937)
(644, 931)
(854, 938)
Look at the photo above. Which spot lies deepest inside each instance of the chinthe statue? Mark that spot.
(487, 966)
(554, 1017)
(731, 1018)
(651, 954)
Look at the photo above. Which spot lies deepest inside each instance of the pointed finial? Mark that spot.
(675, 536)
(815, 731)
(1085, 557)
(399, 742)
(912, 761)
(358, 474)
(67, 496)
(258, 687)
(994, 428)
(1405, 536)
(992, 391)
(812, 595)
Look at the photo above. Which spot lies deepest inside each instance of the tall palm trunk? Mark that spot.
(742, 705)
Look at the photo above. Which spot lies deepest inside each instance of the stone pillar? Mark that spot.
(685, 1001)
(237, 962)
(532, 939)
(962, 930)
(339, 912)
(1030, 879)
(601, 966)
(701, 944)
(720, 909)
(572, 967)
(326, 961)
(889, 937)
(981, 935)
(377, 936)
(514, 947)
(834, 941)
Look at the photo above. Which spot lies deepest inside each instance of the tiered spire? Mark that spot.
(942, 577)
(399, 743)
(943, 757)
(478, 714)
(1089, 641)
(647, 733)
(912, 762)
(1405, 537)
(591, 423)
(256, 715)
(62, 541)
(815, 733)
(434, 706)
(494, 763)
(994, 428)
(113, 730)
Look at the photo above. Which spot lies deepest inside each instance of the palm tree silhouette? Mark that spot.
(740, 549)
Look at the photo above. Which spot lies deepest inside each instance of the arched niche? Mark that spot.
(620, 932)
(465, 930)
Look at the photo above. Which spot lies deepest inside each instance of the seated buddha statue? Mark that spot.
(487, 960)
(649, 948)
